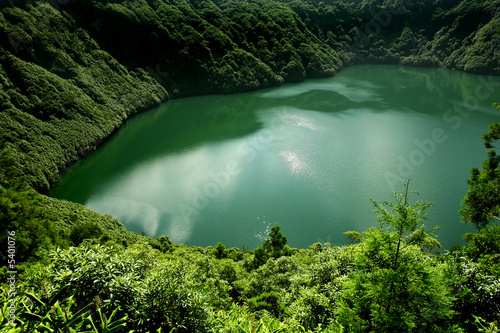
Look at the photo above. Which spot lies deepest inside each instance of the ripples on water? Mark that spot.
(307, 156)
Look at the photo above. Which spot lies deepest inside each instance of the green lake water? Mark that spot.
(307, 156)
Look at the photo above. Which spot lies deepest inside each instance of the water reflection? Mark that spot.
(308, 156)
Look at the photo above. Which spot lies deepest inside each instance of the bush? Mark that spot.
(89, 230)
(267, 301)
(162, 244)
(477, 293)
(172, 300)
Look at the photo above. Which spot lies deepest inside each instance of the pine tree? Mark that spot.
(397, 286)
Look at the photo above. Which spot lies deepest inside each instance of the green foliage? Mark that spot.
(401, 216)
(41, 223)
(482, 202)
(162, 244)
(354, 237)
(273, 247)
(484, 247)
(109, 324)
(189, 289)
(475, 278)
(311, 307)
(173, 299)
(396, 286)
(239, 320)
(136, 288)
(24, 214)
(70, 75)
(51, 312)
(483, 326)
(98, 273)
(332, 266)
(266, 301)
(273, 275)
(54, 317)
(87, 230)
(477, 292)
(220, 251)
(62, 94)
(259, 258)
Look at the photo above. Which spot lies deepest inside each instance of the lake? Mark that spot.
(306, 156)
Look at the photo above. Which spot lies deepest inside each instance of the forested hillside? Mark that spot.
(72, 71)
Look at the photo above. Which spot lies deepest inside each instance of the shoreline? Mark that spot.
(420, 72)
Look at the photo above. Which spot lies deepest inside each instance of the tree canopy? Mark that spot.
(482, 202)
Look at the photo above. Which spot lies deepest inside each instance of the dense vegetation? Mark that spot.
(72, 71)
(387, 281)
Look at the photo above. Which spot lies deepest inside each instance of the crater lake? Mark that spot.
(307, 156)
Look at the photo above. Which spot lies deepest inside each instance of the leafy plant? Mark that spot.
(85, 231)
(476, 291)
(484, 327)
(267, 301)
(395, 285)
(482, 203)
(53, 316)
(107, 325)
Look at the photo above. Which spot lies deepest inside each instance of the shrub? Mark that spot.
(89, 230)
(172, 299)
(267, 301)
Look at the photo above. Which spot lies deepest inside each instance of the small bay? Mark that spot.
(307, 156)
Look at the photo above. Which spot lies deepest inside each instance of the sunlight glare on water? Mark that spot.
(307, 156)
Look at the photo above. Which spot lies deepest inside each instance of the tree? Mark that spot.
(484, 247)
(354, 237)
(402, 217)
(476, 289)
(162, 243)
(275, 245)
(482, 201)
(220, 251)
(396, 285)
(89, 230)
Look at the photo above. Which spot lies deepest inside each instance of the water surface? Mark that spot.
(307, 156)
